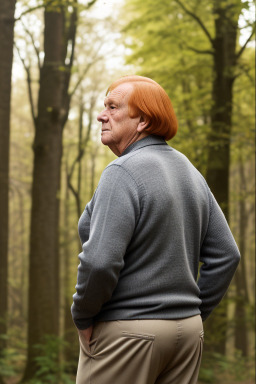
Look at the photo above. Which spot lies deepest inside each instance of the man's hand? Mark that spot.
(86, 334)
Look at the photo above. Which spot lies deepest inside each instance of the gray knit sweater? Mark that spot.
(151, 220)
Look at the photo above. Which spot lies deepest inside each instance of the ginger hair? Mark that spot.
(150, 100)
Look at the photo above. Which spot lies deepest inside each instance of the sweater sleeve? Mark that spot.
(220, 257)
(113, 220)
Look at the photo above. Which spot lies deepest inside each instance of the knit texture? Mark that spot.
(151, 220)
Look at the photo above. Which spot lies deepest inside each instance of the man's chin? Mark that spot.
(105, 140)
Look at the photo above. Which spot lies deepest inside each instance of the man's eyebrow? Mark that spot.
(108, 101)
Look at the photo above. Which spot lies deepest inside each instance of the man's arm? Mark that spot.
(220, 257)
(113, 219)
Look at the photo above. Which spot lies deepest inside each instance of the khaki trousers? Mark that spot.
(142, 352)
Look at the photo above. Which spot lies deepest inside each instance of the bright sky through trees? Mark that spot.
(101, 10)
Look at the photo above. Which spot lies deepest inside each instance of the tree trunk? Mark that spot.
(53, 106)
(7, 8)
(218, 164)
(93, 166)
(242, 297)
(70, 333)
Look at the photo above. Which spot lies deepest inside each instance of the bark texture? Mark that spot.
(7, 8)
(218, 165)
(53, 108)
(242, 296)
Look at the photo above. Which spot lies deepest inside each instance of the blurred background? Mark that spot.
(57, 59)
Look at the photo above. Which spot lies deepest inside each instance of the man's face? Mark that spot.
(118, 129)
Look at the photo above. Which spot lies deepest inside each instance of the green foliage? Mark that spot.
(11, 358)
(6, 357)
(157, 38)
(243, 143)
(165, 42)
(51, 369)
(220, 369)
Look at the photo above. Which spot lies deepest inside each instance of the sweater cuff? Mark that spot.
(80, 322)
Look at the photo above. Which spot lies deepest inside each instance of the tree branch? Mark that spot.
(34, 45)
(86, 139)
(90, 4)
(245, 26)
(79, 155)
(198, 20)
(72, 33)
(204, 51)
(75, 193)
(32, 9)
(81, 151)
(83, 75)
(245, 44)
(28, 11)
(244, 70)
(31, 101)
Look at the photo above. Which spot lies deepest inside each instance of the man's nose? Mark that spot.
(102, 117)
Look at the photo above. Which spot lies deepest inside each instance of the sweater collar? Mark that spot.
(148, 140)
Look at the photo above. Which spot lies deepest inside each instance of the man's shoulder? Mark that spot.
(149, 154)
(139, 163)
(125, 169)
(126, 162)
(117, 170)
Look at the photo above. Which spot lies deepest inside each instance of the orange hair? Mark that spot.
(150, 100)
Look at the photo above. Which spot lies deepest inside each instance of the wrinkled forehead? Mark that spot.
(119, 94)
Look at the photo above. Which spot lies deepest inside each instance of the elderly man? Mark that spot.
(139, 306)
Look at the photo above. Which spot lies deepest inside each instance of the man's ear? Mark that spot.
(143, 123)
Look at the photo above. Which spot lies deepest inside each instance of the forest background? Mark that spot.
(57, 59)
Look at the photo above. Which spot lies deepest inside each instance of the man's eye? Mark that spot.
(112, 107)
